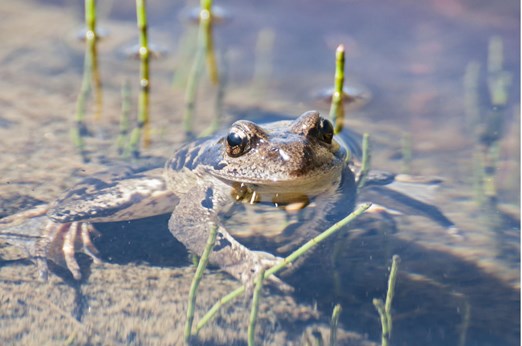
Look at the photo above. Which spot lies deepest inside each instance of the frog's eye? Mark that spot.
(326, 130)
(236, 143)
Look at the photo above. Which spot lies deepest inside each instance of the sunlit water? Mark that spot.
(274, 57)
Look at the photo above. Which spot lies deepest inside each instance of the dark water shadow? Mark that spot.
(141, 241)
(438, 295)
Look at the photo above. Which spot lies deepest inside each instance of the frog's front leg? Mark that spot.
(190, 223)
(61, 229)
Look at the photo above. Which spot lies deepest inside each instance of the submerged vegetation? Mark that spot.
(488, 128)
(91, 80)
(384, 308)
(202, 265)
(205, 48)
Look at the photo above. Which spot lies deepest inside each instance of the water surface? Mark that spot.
(410, 57)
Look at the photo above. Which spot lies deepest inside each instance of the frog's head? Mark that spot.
(283, 154)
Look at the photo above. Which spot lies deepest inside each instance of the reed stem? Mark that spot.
(337, 106)
(142, 126)
(255, 307)
(90, 19)
(205, 46)
(90, 73)
(202, 264)
(384, 308)
(285, 262)
(334, 322)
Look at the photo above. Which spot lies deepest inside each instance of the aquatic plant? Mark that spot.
(337, 106)
(205, 45)
(284, 263)
(142, 125)
(384, 308)
(488, 129)
(255, 306)
(334, 322)
(202, 264)
(90, 74)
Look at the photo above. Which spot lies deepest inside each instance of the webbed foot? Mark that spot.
(45, 240)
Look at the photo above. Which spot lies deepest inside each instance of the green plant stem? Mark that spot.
(379, 305)
(90, 72)
(366, 161)
(285, 262)
(91, 37)
(90, 19)
(334, 322)
(195, 71)
(206, 5)
(337, 107)
(498, 79)
(255, 307)
(384, 308)
(205, 46)
(208, 43)
(142, 126)
(197, 279)
(391, 289)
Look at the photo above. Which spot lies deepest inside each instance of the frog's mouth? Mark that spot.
(313, 183)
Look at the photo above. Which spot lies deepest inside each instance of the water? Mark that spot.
(411, 58)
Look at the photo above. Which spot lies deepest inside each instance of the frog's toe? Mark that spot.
(88, 247)
(68, 248)
(65, 240)
(265, 261)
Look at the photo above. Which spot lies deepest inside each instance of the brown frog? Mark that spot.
(284, 164)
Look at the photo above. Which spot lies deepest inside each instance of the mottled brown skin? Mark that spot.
(279, 163)
(285, 163)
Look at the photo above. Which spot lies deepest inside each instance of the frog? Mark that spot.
(287, 164)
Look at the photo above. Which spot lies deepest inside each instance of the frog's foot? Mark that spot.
(44, 239)
(61, 241)
(249, 272)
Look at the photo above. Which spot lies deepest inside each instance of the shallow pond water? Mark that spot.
(410, 60)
